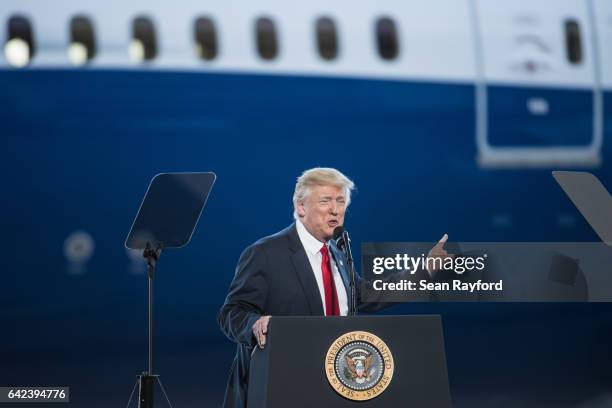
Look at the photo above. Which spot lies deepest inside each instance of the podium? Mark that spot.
(362, 361)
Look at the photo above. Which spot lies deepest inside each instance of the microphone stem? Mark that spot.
(351, 268)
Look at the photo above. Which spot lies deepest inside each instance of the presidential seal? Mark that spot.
(359, 365)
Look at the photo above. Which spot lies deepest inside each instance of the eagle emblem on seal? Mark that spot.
(358, 366)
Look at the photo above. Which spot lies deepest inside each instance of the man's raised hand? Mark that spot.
(436, 252)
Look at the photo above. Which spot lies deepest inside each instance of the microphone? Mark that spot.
(343, 242)
(340, 237)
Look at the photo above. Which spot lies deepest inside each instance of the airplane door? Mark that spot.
(537, 94)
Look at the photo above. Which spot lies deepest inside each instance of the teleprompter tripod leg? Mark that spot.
(146, 391)
(164, 391)
(132, 394)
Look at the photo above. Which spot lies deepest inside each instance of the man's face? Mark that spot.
(322, 211)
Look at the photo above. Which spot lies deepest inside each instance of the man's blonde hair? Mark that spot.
(320, 176)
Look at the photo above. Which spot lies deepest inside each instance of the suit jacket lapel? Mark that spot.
(305, 273)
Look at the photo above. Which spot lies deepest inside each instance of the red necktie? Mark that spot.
(332, 307)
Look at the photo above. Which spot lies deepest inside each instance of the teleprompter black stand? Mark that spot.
(167, 218)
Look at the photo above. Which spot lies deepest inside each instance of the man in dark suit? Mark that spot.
(291, 273)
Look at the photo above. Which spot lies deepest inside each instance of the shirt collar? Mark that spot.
(310, 243)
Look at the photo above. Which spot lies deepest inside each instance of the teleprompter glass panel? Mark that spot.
(170, 210)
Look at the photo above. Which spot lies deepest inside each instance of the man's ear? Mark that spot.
(300, 210)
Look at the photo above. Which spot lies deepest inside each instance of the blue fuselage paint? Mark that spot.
(79, 147)
(539, 117)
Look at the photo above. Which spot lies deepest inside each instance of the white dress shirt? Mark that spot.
(313, 251)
